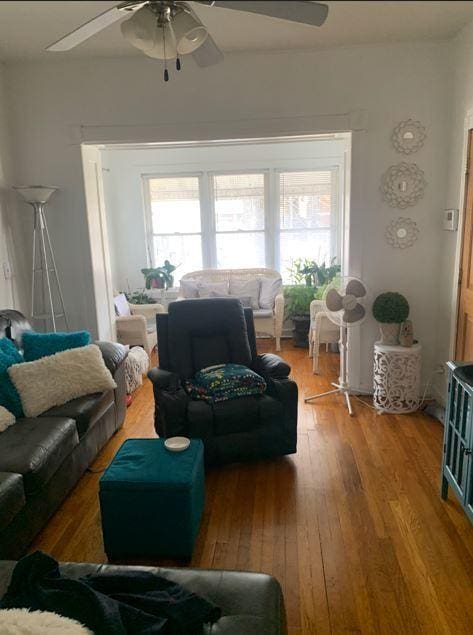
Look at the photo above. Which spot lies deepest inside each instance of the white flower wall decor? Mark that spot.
(403, 185)
(408, 136)
(402, 233)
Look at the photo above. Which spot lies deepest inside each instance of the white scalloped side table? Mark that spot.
(397, 378)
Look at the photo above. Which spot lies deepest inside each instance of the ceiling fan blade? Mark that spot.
(302, 11)
(208, 54)
(87, 30)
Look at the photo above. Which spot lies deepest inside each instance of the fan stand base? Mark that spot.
(340, 389)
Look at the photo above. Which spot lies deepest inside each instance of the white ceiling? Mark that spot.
(26, 28)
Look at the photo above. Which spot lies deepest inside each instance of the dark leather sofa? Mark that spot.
(41, 459)
(199, 333)
(251, 603)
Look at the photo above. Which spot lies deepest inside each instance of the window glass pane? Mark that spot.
(175, 204)
(314, 245)
(305, 199)
(239, 201)
(240, 251)
(184, 251)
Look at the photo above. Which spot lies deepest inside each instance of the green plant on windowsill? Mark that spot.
(308, 272)
(159, 277)
(139, 297)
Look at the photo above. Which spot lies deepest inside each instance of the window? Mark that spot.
(264, 218)
(306, 218)
(239, 203)
(176, 222)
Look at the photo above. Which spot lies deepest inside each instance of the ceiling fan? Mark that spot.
(167, 29)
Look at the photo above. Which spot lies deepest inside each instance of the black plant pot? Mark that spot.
(300, 332)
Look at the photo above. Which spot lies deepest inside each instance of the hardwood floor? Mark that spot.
(352, 525)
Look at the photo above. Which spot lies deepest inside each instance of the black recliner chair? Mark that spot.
(199, 333)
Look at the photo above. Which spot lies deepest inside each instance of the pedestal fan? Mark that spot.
(345, 305)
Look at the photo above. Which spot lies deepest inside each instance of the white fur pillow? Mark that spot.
(56, 379)
(6, 419)
(25, 622)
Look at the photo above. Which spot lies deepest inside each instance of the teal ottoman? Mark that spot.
(152, 499)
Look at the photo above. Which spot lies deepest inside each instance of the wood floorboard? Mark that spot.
(352, 525)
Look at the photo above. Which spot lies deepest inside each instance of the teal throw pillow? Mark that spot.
(9, 397)
(38, 345)
(9, 348)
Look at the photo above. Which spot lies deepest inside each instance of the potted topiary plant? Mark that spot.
(390, 310)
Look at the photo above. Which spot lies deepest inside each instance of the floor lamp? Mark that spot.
(44, 264)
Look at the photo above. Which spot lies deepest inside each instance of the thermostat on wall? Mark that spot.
(450, 220)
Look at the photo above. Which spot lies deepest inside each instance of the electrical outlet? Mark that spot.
(7, 271)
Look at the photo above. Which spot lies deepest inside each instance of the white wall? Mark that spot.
(10, 225)
(125, 169)
(389, 83)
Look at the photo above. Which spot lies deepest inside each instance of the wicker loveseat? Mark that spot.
(267, 321)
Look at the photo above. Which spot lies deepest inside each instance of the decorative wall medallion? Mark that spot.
(402, 233)
(408, 136)
(402, 185)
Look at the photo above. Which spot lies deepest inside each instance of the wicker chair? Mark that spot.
(322, 331)
(267, 321)
(139, 328)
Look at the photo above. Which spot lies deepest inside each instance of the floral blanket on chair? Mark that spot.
(224, 382)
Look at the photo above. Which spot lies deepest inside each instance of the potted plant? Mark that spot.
(310, 281)
(139, 297)
(297, 308)
(390, 309)
(159, 277)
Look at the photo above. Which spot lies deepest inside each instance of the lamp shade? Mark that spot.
(165, 43)
(35, 193)
(141, 29)
(190, 33)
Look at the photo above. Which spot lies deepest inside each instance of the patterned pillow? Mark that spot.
(224, 382)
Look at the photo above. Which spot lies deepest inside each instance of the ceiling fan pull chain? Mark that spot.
(166, 72)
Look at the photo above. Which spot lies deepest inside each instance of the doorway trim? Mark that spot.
(455, 299)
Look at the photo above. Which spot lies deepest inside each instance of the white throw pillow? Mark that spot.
(55, 380)
(6, 419)
(270, 288)
(246, 288)
(25, 622)
(213, 289)
(189, 289)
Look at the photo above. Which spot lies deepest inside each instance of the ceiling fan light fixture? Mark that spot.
(189, 32)
(140, 30)
(164, 47)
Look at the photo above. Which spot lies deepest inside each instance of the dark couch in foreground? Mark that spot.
(251, 603)
(42, 458)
